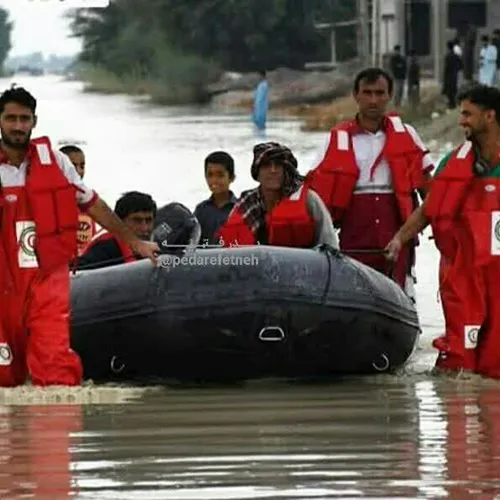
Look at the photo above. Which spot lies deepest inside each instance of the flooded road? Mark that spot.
(411, 436)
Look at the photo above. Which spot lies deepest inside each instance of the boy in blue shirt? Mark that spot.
(213, 212)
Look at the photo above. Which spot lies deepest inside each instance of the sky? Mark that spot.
(39, 27)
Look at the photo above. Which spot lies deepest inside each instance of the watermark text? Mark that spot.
(172, 261)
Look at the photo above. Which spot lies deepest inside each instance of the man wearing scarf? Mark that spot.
(281, 211)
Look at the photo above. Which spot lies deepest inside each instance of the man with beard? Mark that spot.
(40, 196)
(137, 211)
(368, 175)
(463, 208)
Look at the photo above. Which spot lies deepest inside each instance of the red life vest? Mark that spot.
(104, 235)
(51, 203)
(335, 178)
(464, 209)
(288, 225)
(87, 228)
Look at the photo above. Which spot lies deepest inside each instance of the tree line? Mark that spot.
(5, 41)
(188, 42)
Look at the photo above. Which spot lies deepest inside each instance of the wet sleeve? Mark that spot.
(427, 161)
(325, 232)
(85, 196)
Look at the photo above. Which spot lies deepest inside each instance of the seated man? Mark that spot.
(87, 228)
(137, 211)
(281, 211)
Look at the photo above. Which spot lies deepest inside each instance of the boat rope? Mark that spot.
(103, 263)
(374, 251)
(330, 252)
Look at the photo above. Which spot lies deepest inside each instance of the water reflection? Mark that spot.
(35, 450)
(383, 438)
(460, 439)
(282, 441)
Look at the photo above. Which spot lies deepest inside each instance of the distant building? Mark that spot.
(410, 23)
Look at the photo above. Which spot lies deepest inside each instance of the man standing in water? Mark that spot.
(39, 200)
(261, 102)
(368, 174)
(463, 208)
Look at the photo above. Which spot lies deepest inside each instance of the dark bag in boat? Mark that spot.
(176, 229)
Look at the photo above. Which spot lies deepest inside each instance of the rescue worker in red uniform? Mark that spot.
(137, 211)
(281, 211)
(463, 208)
(368, 176)
(87, 227)
(39, 198)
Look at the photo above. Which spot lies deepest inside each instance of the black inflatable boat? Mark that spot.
(240, 313)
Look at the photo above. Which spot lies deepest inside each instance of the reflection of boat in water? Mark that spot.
(239, 313)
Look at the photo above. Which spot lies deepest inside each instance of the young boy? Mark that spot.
(75, 154)
(213, 212)
(86, 227)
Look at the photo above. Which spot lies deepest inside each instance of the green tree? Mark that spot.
(182, 45)
(5, 32)
(242, 35)
(247, 35)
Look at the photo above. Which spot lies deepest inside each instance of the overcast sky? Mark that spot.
(39, 27)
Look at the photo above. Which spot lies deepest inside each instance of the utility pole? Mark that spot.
(375, 21)
(438, 35)
(363, 32)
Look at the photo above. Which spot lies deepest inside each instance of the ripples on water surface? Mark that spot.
(383, 438)
(413, 436)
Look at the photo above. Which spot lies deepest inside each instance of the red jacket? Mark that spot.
(335, 178)
(464, 210)
(52, 202)
(289, 225)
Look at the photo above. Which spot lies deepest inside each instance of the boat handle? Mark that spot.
(385, 366)
(113, 365)
(272, 334)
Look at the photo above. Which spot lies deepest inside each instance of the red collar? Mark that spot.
(356, 129)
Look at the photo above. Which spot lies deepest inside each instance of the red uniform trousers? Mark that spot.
(463, 299)
(34, 308)
(369, 223)
(469, 283)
